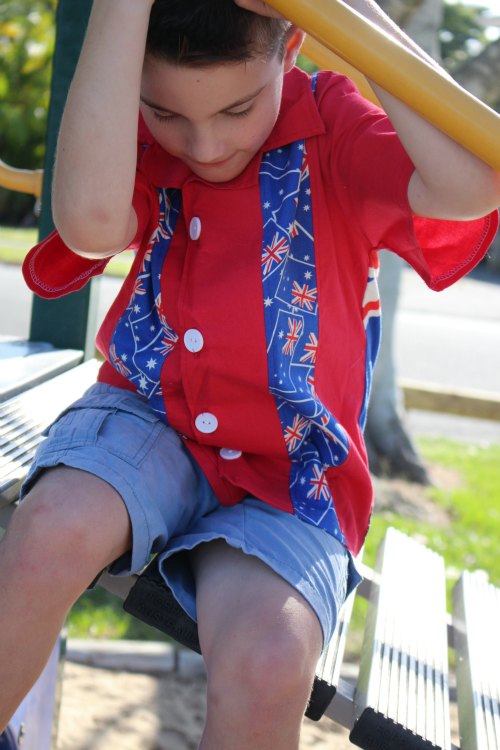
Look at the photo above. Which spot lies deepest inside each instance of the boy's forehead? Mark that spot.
(218, 86)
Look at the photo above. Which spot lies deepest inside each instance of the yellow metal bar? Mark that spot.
(399, 71)
(328, 60)
(21, 180)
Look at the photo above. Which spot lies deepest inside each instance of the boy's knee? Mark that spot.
(43, 542)
(53, 537)
(274, 668)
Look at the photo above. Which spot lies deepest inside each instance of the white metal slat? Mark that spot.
(476, 652)
(397, 685)
(37, 408)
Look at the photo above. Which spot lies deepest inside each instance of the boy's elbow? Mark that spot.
(475, 196)
(97, 236)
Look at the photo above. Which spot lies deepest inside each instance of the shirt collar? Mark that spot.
(298, 118)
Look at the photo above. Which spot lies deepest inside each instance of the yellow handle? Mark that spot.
(399, 71)
(328, 60)
(21, 180)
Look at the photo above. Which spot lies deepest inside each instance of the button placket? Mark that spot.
(193, 340)
(206, 423)
(195, 228)
(229, 454)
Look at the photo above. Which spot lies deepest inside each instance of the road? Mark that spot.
(450, 338)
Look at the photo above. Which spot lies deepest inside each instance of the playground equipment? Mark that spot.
(413, 80)
(21, 180)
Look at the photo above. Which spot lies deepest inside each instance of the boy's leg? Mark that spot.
(261, 641)
(70, 526)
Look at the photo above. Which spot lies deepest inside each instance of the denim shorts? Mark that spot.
(115, 435)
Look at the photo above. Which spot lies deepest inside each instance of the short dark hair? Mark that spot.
(208, 32)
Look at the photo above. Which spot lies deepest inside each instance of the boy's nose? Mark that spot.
(205, 147)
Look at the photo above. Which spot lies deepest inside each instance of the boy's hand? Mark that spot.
(260, 7)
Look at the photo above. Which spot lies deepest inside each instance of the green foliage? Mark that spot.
(26, 50)
(469, 540)
(462, 33)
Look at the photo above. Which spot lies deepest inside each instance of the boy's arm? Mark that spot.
(97, 147)
(449, 182)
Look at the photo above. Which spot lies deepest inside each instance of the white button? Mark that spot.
(195, 228)
(206, 422)
(229, 454)
(193, 340)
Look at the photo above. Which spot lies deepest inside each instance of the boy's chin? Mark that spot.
(222, 171)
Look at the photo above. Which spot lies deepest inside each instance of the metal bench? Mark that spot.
(401, 699)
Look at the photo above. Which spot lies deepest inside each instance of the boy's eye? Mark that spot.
(239, 113)
(162, 117)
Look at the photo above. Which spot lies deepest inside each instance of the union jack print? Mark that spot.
(319, 485)
(312, 436)
(118, 361)
(303, 296)
(274, 253)
(169, 340)
(310, 350)
(294, 434)
(139, 288)
(293, 335)
(142, 335)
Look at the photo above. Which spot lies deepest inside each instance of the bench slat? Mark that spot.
(402, 693)
(329, 665)
(24, 417)
(476, 618)
(25, 364)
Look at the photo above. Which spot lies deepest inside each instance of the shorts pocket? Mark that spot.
(126, 431)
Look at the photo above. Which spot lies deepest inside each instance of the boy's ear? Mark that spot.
(294, 42)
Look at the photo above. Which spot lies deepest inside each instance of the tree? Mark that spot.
(452, 31)
(26, 50)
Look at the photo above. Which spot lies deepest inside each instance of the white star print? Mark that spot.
(151, 363)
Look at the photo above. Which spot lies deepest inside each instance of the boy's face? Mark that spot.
(214, 118)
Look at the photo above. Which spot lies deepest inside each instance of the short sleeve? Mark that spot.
(370, 172)
(52, 270)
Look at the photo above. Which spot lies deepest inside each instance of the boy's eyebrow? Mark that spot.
(238, 103)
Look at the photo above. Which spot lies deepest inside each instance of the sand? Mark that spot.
(105, 709)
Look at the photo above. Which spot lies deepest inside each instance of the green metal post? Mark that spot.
(68, 322)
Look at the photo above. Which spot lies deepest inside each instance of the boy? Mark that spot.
(226, 430)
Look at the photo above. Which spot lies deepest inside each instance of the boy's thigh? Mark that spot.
(306, 563)
(115, 436)
(244, 607)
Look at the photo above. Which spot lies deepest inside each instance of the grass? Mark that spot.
(15, 243)
(468, 539)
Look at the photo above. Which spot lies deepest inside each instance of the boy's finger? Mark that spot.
(258, 6)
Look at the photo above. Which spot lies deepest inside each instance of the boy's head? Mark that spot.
(205, 32)
(212, 82)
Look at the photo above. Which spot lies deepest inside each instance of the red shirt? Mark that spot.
(211, 257)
